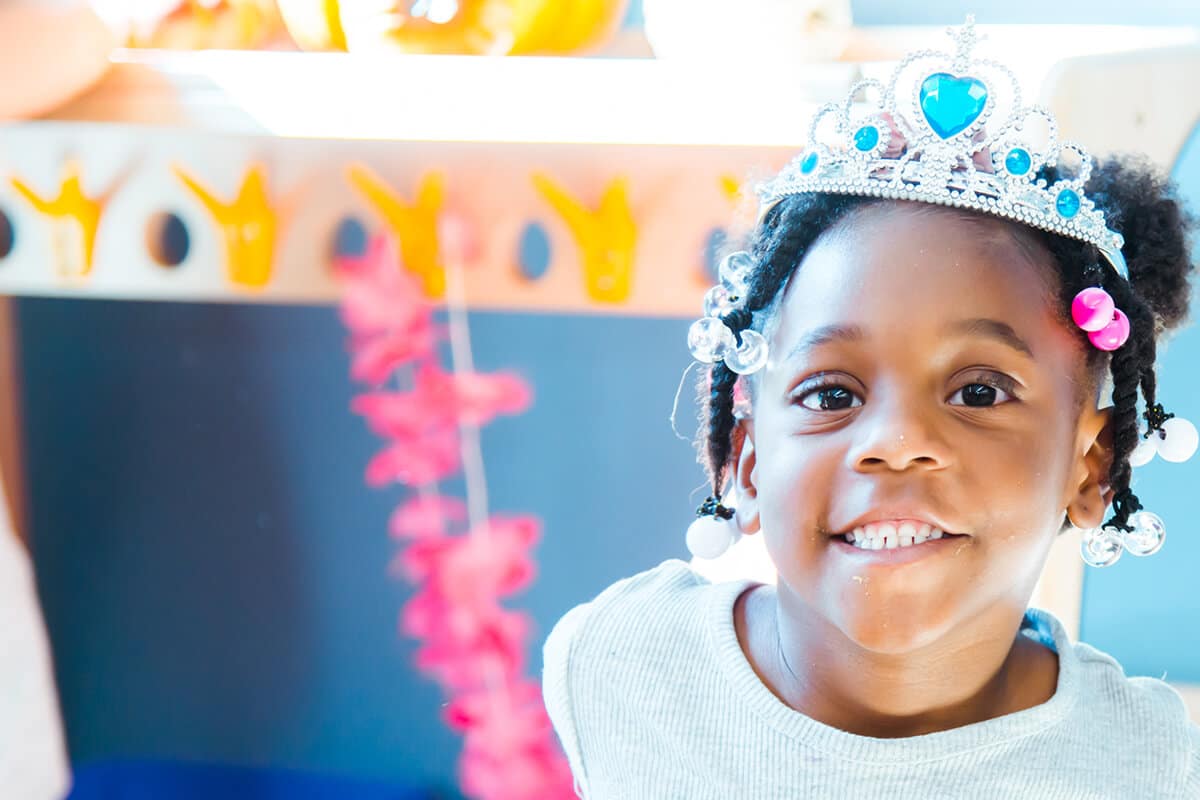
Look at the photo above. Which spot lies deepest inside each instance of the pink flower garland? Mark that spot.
(473, 646)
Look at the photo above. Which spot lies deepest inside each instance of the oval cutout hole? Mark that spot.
(167, 239)
(533, 251)
(8, 235)
(350, 239)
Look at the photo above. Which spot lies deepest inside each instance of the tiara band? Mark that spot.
(955, 113)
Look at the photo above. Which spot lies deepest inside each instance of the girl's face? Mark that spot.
(919, 372)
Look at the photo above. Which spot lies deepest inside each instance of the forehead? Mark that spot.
(901, 269)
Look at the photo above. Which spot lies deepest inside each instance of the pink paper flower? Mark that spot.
(442, 398)
(476, 650)
(379, 295)
(474, 570)
(416, 460)
(427, 517)
(375, 358)
(469, 642)
(475, 397)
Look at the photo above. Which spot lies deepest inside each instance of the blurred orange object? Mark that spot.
(485, 27)
(550, 27)
(208, 25)
(314, 24)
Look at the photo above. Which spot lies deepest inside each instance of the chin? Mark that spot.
(894, 630)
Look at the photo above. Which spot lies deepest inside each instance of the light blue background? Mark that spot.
(214, 570)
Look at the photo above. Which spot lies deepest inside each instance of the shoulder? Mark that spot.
(1144, 710)
(602, 651)
(640, 608)
(1193, 780)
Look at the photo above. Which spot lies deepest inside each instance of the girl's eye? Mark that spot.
(830, 398)
(981, 395)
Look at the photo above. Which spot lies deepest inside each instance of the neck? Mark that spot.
(981, 671)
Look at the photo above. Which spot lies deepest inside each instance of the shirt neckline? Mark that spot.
(752, 694)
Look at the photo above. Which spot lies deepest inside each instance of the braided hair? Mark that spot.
(1138, 202)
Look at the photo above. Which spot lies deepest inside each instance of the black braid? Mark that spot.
(1131, 363)
(719, 432)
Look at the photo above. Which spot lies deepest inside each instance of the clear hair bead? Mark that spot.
(735, 272)
(710, 340)
(750, 356)
(1148, 534)
(1101, 547)
(719, 301)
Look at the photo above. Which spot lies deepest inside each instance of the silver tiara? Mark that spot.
(965, 140)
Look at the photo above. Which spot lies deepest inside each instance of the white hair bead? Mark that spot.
(1179, 440)
(709, 537)
(1144, 452)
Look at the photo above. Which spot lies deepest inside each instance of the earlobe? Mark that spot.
(744, 462)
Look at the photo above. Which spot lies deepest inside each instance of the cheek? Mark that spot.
(797, 477)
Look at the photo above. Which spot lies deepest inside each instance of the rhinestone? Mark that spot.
(809, 163)
(1067, 203)
(866, 138)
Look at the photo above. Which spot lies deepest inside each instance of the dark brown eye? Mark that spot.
(830, 398)
(980, 395)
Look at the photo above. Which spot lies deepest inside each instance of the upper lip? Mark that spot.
(896, 514)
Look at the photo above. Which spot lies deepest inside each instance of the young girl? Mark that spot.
(926, 368)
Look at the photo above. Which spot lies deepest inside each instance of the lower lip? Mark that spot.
(899, 555)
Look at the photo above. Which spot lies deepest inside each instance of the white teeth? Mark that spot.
(886, 535)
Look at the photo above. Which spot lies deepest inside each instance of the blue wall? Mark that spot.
(213, 568)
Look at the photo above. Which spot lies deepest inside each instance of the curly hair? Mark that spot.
(1138, 201)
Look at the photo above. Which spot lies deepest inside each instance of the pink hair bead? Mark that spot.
(1092, 309)
(1112, 335)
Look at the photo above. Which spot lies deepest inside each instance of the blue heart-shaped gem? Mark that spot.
(951, 103)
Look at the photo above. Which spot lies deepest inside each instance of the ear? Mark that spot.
(1089, 493)
(744, 463)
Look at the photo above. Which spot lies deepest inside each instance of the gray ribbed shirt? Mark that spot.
(653, 699)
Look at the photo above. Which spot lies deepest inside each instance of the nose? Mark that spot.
(897, 431)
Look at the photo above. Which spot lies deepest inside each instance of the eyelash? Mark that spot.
(1001, 383)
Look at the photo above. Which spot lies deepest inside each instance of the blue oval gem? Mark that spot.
(1067, 203)
(1018, 161)
(866, 137)
(809, 163)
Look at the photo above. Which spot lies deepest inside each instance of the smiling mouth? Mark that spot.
(891, 536)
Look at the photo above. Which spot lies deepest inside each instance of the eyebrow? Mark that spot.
(992, 329)
(827, 334)
(981, 326)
